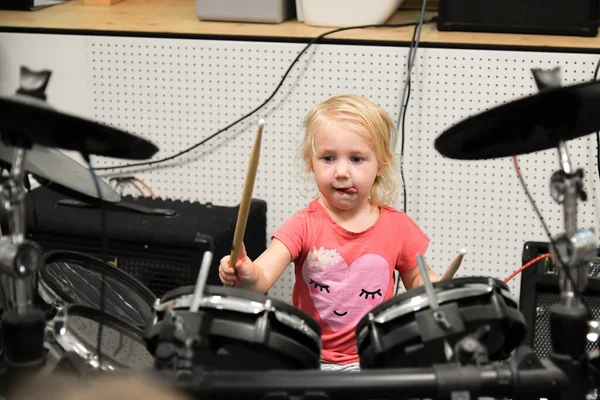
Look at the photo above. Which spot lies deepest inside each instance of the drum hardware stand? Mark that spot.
(438, 315)
(573, 250)
(469, 349)
(172, 346)
(23, 325)
(470, 375)
(179, 340)
(523, 376)
(202, 273)
(174, 340)
(448, 320)
(437, 321)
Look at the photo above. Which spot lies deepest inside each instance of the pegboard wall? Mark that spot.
(177, 92)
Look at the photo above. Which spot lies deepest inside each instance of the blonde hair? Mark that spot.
(356, 111)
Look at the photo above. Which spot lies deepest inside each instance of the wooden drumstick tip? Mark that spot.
(454, 265)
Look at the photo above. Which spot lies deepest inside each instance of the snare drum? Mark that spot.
(74, 329)
(68, 277)
(243, 330)
(391, 334)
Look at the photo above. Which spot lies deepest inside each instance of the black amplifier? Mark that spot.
(160, 242)
(548, 17)
(540, 290)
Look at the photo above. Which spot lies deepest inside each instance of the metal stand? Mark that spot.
(17, 261)
(174, 340)
(573, 251)
(22, 324)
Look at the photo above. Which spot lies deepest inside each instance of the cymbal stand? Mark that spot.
(573, 250)
(22, 324)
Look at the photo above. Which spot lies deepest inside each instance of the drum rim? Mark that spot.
(452, 282)
(71, 342)
(278, 305)
(97, 265)
(280, 342)
(513, 319)
(403, 301)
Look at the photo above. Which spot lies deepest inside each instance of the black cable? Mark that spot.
(402, 136)
(403, 116)
(530, 198)
(310, 43)
(103, 234)
(414, 45)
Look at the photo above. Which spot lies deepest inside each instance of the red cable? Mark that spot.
(516, 164)
(529, 264)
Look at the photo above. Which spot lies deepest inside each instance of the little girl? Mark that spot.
(347, 242)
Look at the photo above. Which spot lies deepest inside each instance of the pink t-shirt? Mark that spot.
(342, 275)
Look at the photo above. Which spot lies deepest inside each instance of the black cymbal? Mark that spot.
(35, 122)
(61, 173)
(534, 123)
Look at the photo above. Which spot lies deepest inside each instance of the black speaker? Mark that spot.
(548, 17)
(160, 242)
(540, 290)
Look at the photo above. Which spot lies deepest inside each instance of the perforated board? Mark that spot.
(177, 92)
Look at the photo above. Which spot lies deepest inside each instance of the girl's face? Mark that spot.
(344, 165)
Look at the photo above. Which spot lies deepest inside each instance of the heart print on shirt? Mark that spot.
(344, 294)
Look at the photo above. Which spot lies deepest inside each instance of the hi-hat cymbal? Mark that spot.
(534, 123)
(33, 120)
(60, 173)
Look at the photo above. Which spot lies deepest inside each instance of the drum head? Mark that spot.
(243, 330)
(243, 294)
(75, 329)
(74, 278)
(439, 287)
(395, 337)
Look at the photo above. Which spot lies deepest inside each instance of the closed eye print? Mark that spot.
(319, 286)
(366, 293)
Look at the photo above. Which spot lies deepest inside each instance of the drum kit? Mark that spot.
(457, 338)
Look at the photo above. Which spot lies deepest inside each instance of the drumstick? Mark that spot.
(453, 267)
(240, 226)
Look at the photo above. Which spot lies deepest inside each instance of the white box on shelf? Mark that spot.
(343, 13)
(267, 11)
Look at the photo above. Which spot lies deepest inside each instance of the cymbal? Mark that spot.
(60, 173)
(24, 117)
(530, 124)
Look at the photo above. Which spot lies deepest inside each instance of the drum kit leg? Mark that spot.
(457, 338)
